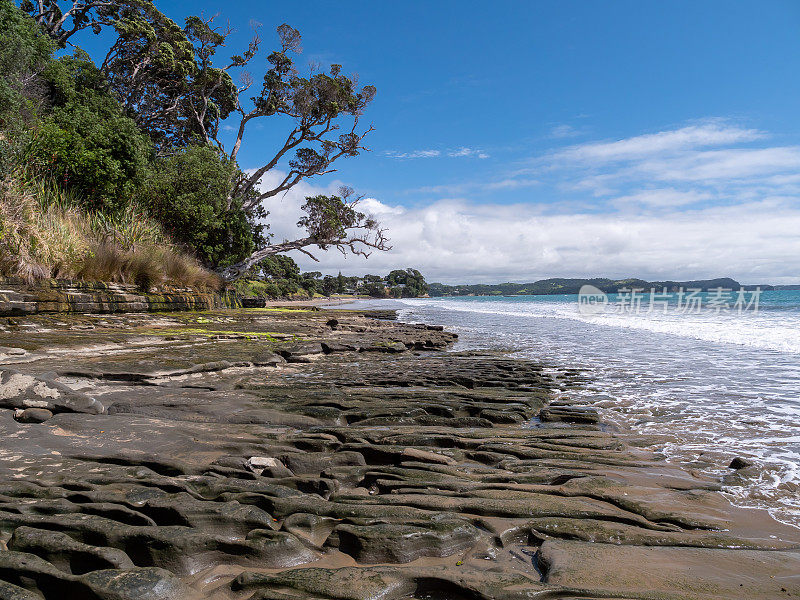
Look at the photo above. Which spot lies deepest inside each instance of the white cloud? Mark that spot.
(741, 163)
(563, 131)
(457, 241)
(702, 156)
(464, 151)
(712, 133)
(413, 154)
(510, 184)
(679, 204)
(661, 198)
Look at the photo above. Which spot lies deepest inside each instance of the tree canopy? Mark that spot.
(161, 92)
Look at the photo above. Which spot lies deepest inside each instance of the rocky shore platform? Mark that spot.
(275, 454)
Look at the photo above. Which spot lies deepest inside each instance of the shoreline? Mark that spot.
(666, 396)
(329, 454)
(319, 302)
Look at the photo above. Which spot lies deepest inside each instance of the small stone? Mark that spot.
(740, 463)
(425, 456)
(268, 359)
(333, 323)
(32, 415)
(262, 462)
(267, 466)
(12, 351)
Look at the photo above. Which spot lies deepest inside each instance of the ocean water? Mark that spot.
(721, 380)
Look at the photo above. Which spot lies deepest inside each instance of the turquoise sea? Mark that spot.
(722, 380)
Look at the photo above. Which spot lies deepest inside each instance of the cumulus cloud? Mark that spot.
(454, 240)
(687, 203)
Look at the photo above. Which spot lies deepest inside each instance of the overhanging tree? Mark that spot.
(169, 80)
(330, 222)
(316, 106)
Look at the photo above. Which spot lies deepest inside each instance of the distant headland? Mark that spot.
(557, 285)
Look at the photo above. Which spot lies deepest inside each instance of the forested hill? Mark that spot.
(572, 286)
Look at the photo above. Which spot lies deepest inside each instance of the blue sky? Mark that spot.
(518, 140)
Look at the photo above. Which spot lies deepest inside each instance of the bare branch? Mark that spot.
(330, 221)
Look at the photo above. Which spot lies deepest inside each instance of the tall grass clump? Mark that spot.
(44, 233)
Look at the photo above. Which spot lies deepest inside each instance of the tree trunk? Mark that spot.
(236, 271)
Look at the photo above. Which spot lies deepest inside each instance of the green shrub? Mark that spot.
(24, 54)
(86, 142)
(187, 194)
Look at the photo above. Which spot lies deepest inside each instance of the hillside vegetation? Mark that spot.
(112, 168)
(573, 286)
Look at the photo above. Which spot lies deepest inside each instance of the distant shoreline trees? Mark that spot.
(279, 277)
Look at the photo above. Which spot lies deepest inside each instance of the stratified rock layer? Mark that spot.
(274, 454)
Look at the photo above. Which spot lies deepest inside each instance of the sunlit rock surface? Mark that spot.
(274, 454)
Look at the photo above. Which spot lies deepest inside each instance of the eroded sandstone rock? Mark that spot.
(222, 472)
(32, 415)
(19, 390)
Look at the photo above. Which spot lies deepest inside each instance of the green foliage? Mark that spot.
(310, 285)
(408, 283)
(277, 276)
(86, 142)
(317, 103)
(278, 266)
(45, 233)
(62, 23)
(24, 52)
(186, 192)
(152, 67)
(375, 286)
(142, 129)
(340, 283)
(329, 218)
(328, 285)
(270, 288)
